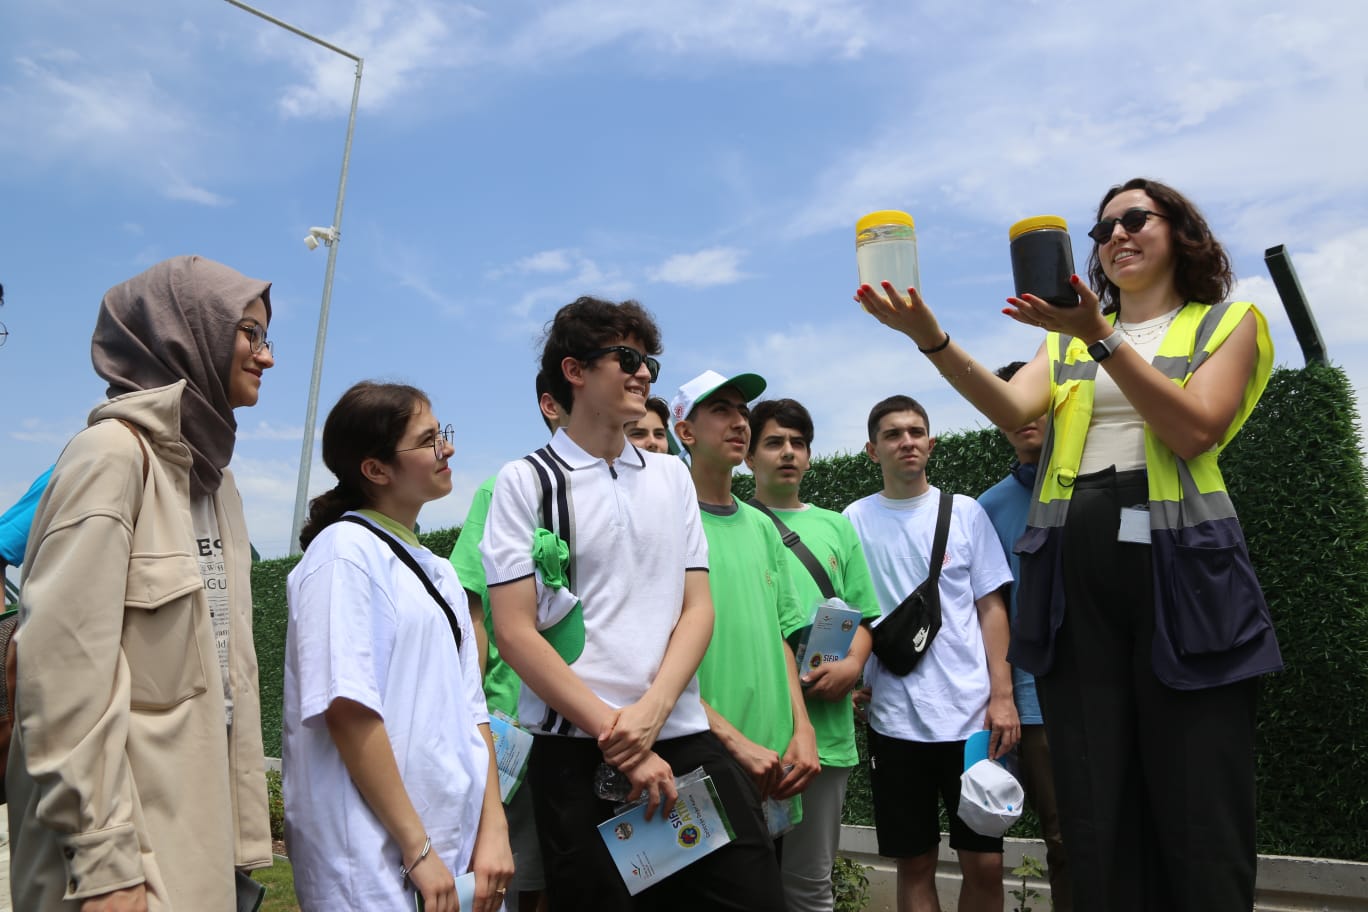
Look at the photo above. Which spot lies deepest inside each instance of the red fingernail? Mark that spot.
(1006, 311)
(1073, 280)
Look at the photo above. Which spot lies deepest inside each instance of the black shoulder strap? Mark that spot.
(947, 505)
(947, 502)
(800, 550)
(402, 553)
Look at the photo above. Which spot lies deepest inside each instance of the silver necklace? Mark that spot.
(1141, 334)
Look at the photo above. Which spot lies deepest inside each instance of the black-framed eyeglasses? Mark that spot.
(629, 359)
(257, 334)
(440, 441)
(1132, 220)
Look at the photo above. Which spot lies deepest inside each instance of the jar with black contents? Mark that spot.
(1042, 259)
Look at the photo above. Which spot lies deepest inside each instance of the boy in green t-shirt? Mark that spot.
(749, 677)
(501, 683)
(779, 456)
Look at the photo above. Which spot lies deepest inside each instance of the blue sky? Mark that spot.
(707, 158)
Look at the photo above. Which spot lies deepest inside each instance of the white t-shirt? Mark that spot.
(945, 697)
(636, 530)
(209, 555)
(1116, 434)
(362, 626)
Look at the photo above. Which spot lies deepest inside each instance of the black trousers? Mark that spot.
(1155, 785)
(742, 875)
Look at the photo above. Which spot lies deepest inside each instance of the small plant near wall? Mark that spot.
(849, 885)
(276, 799)
(1029, 867)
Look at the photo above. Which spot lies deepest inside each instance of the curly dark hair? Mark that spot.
(1203, 271)
(584, 325)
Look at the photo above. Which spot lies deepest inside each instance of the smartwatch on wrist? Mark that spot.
(1102, 349)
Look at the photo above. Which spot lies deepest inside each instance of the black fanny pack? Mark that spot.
(903, 638)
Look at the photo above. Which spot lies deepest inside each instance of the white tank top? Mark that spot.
(1116, 434)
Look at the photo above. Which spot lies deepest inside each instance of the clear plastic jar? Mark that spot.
(1042, 259)
(886, 250)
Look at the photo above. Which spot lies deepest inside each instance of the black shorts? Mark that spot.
(907, 777)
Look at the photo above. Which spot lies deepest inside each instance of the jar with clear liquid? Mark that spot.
(886, 250)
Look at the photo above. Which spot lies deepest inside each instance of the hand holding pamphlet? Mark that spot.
(645, 851)
(828, 636)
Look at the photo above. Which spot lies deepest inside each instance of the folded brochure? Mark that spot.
(512, 745)
(828, 635)
(647, 851)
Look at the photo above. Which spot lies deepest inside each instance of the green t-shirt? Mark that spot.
(832, 540)
(501, 683)
(744, 674)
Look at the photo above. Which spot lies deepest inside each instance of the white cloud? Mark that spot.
(268, 487)
(545, 262)
(404, 43)
(1005, 132)
(713, 266)
(840, 369)
(585, 276)
(773, 31)
(45, 432)
(265, 430)
(177, 187)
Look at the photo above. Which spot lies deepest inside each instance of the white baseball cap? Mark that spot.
(990, 798)
(705, 384)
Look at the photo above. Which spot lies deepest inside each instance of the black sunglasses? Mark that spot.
(1132, 220)
(629, 359)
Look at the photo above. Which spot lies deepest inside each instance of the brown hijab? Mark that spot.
(178, 321)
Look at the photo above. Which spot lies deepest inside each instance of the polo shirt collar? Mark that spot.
(575, 457)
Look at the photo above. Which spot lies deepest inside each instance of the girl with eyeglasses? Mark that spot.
(136, 777)
(1139, 611)
(389, 780)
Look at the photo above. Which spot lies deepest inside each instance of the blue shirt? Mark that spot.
(18, 519)
(1006, 504)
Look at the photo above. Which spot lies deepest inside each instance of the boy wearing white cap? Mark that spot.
(749, 677)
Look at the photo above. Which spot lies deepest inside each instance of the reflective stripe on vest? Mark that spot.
(1182, 492)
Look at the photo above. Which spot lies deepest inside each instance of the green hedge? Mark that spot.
(1297, 478)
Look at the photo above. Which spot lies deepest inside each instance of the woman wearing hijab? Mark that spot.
(135, 776)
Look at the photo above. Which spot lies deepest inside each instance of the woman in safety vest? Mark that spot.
(1139, 612)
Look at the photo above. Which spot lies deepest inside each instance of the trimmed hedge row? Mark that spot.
(1297, 478)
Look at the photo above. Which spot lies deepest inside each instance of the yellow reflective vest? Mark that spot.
(1212, 624)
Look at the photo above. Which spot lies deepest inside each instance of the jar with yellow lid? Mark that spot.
(886, 250)
(1042, 259)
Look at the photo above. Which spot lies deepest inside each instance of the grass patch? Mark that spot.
(279, 881)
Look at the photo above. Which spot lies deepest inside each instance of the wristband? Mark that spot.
(933, 350)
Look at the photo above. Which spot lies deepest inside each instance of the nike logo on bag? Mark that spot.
(919, 641)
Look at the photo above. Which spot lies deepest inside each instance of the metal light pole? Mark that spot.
(329, 236)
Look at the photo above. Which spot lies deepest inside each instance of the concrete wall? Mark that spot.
(1284, 884)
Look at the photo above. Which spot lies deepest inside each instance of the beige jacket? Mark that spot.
(122, 769)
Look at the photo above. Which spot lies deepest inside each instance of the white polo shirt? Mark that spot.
(635, 531)
(946, 696)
